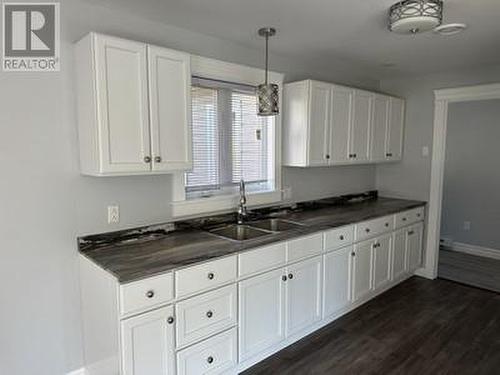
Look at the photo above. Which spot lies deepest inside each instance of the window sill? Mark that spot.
(216, 204)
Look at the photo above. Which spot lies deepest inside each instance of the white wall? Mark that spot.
(411, 177)
(472, 174)
(45, 203)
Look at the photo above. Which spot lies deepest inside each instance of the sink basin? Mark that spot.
(238, 232)
(275, 225)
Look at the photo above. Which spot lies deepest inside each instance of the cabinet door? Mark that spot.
(121, 68)
(303, 295)
(399, 254)
(319, 123)
(340, 124)
(261, 313)
(337, 277)
(414, 244)
(360, 127)
(382, 261)
(170, 101)
(362, 270)
(148, 343)
(394, 148)
(379, 130)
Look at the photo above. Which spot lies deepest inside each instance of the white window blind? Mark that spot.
(230, 142)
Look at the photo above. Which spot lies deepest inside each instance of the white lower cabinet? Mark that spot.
(399, 266)
(205, 315)
(337, 281)
(303, 295)
(382, 261)
(362, 270)
(215, 355)
(261, 313)
(414, 246)
(148, 343)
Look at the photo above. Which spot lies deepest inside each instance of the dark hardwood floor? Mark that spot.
(470, 269)
(418, 327)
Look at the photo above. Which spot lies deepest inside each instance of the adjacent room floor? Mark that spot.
(418, 327)
(469, 269)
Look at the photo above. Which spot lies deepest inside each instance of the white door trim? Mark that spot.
(442, 98)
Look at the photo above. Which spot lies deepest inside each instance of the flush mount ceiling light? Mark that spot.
(450, 29)
(267, 93)
(415, 16)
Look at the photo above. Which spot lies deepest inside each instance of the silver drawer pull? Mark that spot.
(150, 293)
(367, 230)
(170, 319)
(341, 237)
(210, 314)
(210, 360)
(211, 276)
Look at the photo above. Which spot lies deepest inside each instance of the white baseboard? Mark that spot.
(474, 250)
(80, 371)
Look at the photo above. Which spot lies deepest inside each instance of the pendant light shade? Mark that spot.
(267, 93)
(415, 16)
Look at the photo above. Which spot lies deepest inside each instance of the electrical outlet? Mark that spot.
(467, 225)
(113, 214)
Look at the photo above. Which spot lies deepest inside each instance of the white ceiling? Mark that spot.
(354, 31)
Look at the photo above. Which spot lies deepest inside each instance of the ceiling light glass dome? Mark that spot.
(415, 16)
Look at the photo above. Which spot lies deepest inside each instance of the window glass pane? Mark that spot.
(230, 141)
(205, 173)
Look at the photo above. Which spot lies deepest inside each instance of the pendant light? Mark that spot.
(267, 93)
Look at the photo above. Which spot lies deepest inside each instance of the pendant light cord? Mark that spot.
(267, 54)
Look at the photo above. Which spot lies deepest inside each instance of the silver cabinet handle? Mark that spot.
(210, 314)
(211, 276)
(284, 278)
(341, 237)
(170, 319)
(150, 293)
(210, 360)
(147, 159)
(157, 159)
(290, 276)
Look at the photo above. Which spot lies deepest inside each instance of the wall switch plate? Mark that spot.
(113, 214)
(287, 193)
(425, 151)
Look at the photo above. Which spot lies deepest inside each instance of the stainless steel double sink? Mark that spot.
(255, 229)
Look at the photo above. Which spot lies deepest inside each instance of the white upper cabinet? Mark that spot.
(327, 124)
(170, 103)
(359, 139)
(394, 148)
(342, 98)
(379, 129)
(319, 127)
(133, 107)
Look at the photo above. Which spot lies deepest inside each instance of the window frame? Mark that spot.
(241, 74)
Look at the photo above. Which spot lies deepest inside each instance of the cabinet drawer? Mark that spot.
(368, 229)
(144, 294)
(205, 315)
(205, 276)
(262, 259)
(339, 237)
(213, 356)
(409, 217)
(304, 247)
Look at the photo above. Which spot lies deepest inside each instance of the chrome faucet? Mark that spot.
(242, 206)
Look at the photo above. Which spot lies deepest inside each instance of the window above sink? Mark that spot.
(229, 140)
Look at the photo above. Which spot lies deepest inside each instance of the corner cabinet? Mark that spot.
(133, 107)
(327, 124)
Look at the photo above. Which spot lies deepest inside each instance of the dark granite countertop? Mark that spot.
(134, 260)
